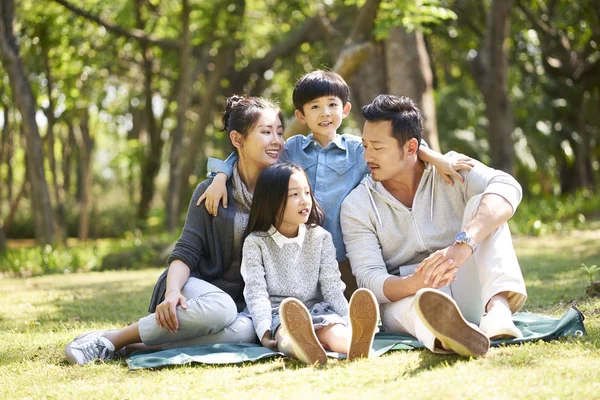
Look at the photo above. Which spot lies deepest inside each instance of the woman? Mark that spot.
(198, 298)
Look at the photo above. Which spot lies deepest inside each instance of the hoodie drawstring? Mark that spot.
(373, 204)
(431, 207)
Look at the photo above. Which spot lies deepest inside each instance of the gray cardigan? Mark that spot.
(206, 247)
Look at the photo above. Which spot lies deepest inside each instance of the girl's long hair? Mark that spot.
(270, 199)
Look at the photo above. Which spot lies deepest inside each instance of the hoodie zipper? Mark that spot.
(410, 212)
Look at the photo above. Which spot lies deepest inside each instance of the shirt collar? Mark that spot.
(339, 141)
(280, 240)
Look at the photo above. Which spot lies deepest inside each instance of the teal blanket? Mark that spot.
(534, 327)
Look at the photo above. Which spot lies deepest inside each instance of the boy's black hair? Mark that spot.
(318, 84)
(270, 198)
(403, 112)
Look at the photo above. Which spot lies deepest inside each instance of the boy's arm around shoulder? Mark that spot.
(482, 179)
(255, 288)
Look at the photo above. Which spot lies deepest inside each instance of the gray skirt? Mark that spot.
(321, 314)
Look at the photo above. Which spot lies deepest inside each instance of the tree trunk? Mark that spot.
(490, 71)
(370, 81)
(151, 162)
(183, 97)
(68, 152)
(409, 74)
(86, 147)
(3, 245)
(23, 96)
(6, 134)
(204, 119)
(59, 198)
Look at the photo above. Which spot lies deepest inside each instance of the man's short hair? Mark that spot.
(318, 84)
(405, 116)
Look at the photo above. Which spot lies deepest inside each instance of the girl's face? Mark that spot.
(299, 204)
(264, 142)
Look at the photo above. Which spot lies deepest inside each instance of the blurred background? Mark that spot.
(110, 109)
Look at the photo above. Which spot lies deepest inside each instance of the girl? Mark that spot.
(289, 267)
(198, 299)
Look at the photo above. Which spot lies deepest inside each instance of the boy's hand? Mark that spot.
(448, 168)
(214, 193)
(266, 341)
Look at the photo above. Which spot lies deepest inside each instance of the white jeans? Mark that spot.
(211, 317)
(492, 269)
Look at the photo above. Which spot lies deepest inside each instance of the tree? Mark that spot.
(490, 71)
(567, 33)
(25, 101)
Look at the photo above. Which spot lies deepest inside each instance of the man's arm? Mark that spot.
(366, 259)
(501, 196)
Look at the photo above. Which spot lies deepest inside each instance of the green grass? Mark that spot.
(40, 315)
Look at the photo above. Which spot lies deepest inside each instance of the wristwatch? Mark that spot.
(464, 237)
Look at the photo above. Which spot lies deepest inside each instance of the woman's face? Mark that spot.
(262, 145)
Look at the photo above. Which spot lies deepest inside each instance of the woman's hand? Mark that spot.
(166, 314)
(216, 192)
(266, 341)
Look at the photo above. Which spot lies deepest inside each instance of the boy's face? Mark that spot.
(324, 115)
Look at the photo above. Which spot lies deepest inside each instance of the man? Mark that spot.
(438, 257)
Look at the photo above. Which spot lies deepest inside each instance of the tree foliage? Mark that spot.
(128, 116)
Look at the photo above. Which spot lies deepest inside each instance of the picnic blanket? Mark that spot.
(533, 326)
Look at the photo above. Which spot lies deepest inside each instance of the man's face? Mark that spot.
(382, 153)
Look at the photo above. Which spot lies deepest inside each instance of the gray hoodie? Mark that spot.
(383, 237)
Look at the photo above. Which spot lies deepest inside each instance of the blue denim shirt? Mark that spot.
(333, 172)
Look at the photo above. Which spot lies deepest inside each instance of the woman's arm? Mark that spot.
(166, 314)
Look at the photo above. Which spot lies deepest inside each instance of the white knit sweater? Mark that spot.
(275, 267)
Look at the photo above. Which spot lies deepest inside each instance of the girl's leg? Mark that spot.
(335, 337)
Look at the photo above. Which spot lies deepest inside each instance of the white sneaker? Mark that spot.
(88, 349)
(498, 324)
(441, 315)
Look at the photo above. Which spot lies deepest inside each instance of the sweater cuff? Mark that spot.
(509, 192)
(261, 328)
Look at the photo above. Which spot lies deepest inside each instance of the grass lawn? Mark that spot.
(38, 316)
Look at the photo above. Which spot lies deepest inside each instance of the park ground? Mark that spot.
(40, 315)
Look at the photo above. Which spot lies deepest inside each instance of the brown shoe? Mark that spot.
(440, 314)
(297, 322)
(364, 314)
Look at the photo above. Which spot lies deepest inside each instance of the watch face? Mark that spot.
(460, 236)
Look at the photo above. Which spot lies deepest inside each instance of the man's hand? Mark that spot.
(266, 341)
(439, 269)
(166, 315)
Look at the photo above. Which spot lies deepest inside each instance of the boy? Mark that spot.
(334, 163)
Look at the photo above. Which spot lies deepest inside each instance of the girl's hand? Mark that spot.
(166, 315)
(448, 168)
(214, 193)
(266, 341)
